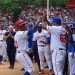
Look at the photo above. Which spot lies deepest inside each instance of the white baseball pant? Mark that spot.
(4, 51)
(58, 60)
(44, 53)
(25, 60)
(2, 48)
(71, 63)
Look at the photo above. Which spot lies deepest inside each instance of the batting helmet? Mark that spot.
(20, 24)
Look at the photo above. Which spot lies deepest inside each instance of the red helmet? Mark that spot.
(20, 24)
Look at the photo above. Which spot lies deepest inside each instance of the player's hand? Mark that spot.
(16, 45)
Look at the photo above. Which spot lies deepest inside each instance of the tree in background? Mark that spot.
(12, 4)
(15, 6)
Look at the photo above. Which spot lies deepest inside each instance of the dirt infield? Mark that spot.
(4, 70)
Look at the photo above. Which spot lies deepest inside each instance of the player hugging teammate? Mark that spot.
(21, 43)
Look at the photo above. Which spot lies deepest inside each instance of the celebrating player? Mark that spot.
(43, 49)
(21, 42)
(57, 45)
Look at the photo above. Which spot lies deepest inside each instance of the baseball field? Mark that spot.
(4, 70)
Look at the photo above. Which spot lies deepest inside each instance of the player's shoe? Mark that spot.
(51, 72)
(11, 67)
(41, 72)
(2, 63)
(27, 73)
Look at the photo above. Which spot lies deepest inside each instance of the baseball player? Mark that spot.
(57, 45)
(71, 50)
(2, 44)
(21, 42)
(43, 49)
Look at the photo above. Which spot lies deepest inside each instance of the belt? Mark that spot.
(62, 49)
(42, 45)
(1, 40)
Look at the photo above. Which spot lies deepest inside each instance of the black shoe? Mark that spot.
(11, 67)
(26, 73)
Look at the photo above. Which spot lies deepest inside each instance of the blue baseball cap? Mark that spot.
(55, 20)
